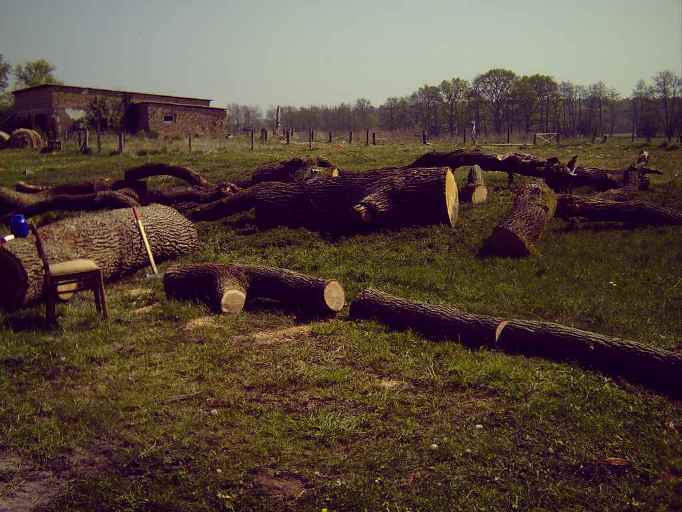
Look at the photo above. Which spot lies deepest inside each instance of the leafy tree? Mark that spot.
(37, 72)
(495, 87)
(5, 69)
(453, 93)
(665, 84)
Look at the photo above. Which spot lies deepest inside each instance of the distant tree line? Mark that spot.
(498, 101)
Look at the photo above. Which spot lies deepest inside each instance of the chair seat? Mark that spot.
(72, 267)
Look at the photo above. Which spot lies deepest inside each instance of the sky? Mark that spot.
(302, 52)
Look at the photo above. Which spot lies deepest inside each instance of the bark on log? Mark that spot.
(534, 205)
(26, 138)
(556, 175)
(148, 170)
(644, 364)
(295, 169)
(110, 238)
(221, 284)
(604, 210)
(475, 191)
(85, 202)
(380, 198)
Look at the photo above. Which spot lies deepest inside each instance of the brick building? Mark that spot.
(46, 106)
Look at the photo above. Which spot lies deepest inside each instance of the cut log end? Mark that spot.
(451, 197)
(233, 302)
(334, 296)
(505, 242)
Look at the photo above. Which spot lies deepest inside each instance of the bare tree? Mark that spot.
(665, 84)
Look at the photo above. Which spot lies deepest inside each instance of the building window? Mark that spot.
(169, 118)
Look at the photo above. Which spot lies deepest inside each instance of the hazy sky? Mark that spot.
(310, 52)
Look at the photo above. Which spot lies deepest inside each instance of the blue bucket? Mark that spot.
(19, 226)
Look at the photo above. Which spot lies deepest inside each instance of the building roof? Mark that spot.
(184, 105)
(77, 88)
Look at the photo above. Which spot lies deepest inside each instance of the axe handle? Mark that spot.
(140, 227)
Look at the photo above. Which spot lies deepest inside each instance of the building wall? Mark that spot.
(37, 107)
(197, 121)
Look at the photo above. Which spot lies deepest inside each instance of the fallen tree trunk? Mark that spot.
(605, 210)
(295, 169)
(534, 205)
(151, 169)
(225, 287)
(84, 202)
(219, 286)
(399, 198)
(475, 191)
(111, 239)
(643, 364)
(559, 177)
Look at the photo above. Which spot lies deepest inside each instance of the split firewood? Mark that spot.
(605, 210)
(534, 205)
(225, 287)
(644, 364)
(379, 198)
(475, 191)
(109, 238)
(559, 177)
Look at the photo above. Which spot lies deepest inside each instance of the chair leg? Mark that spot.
(50, 305)
(96, 293)
(103, 295)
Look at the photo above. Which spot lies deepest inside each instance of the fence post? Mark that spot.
(374, 138)
(464, 135)
(288, 134)
(189, 142)
(424, 140)
(367, 137)
(350, 137)
(330, 137)
(535, 139)
(252, 134)
(508, 134)
(558, 138)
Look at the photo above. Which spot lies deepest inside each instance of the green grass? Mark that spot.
(361, 417)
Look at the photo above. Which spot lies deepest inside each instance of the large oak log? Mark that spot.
(637, 362)
(380, 198)
(110, 238)
(534, 205)
(559, 177)
(605, 210)
(224, 287)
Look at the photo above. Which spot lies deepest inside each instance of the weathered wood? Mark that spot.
(556, 175)
(475, 191)
(640, 363)
(534, 205)
(225, 287)
(109, 238)
(153, 169)
(605, 210)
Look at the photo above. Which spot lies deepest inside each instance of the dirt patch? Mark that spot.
(197, 324)
(146, 309)
(390, 383)
(275, 337)
(25, 487)
(279, 484)
(138, 292)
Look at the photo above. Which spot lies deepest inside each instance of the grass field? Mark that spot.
(166, 408)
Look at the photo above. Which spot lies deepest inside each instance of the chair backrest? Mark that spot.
(41, 249)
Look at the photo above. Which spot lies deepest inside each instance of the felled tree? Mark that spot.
(110, 238)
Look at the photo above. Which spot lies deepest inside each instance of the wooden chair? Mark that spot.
(64, 279)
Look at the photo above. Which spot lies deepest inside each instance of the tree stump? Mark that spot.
(475, 191)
